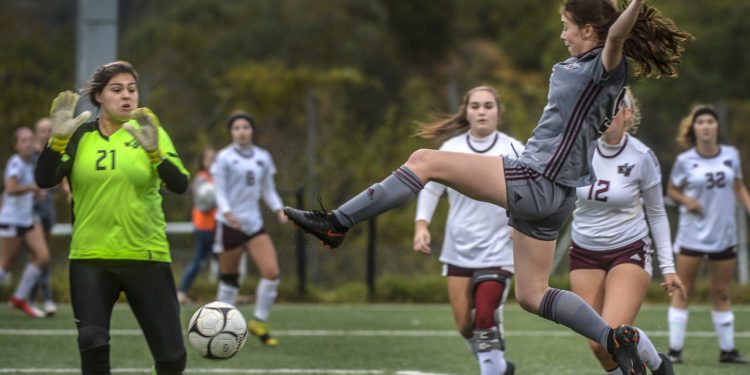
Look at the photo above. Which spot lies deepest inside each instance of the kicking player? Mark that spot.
(706, 182)
(17, 224)
(243, 175)
(116, 166)
(477, 252)
(613, 224)
(538, 189)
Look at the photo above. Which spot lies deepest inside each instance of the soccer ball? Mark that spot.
(204, 197)
(217, 330)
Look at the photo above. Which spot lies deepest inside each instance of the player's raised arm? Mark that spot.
(618, 32)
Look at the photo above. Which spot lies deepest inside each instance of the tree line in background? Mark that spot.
(362, 72)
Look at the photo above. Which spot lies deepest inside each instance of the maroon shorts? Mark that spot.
(228, 238)
(13, 231)
(451, 270)
(638, 253)
(726, 254)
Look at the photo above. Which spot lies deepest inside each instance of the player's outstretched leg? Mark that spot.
(330, 228)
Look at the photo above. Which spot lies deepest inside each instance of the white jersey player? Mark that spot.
(477, 251)
(243, 174)
(706, 182)
(17, 224)
(615, 220)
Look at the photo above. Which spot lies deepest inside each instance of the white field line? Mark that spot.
(285, 371)
(358, 333)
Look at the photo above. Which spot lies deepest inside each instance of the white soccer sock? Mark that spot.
(29, 277)
(227, 293)
(265, 295)
(616, 371)
(492, 362)
(678, 319)
(724, 325)
(647, 351)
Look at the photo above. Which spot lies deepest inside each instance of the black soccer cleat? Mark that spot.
(666, 366)
(510, 368)
(625, 350)
(732, 356)
(319, 224)
(675, 356)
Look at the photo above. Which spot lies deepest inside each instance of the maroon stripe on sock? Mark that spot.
(413, 183)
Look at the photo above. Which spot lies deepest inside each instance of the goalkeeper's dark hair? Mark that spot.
(103, 74)
(655, 44)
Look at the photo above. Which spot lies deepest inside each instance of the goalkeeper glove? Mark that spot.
(63, 123)
(147, 133)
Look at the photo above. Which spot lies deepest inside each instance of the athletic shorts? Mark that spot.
(451, 270)
(537, 207)
(638, 253)
(227, 238)
(13, 231)
(46, 221)
(726, 254)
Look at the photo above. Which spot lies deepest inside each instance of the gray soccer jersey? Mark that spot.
(242, 177)
(581, 102)
(17, 208)
(476, 233)
(710, 180)
(610, 214)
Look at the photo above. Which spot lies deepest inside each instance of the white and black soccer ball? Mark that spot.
(217, 331)
(204, 196)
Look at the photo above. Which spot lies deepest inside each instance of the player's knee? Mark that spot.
(721, 295)
(232, 279)
(171, 367)
(92, 337)
(417, 158)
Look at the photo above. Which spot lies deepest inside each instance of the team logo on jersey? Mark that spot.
(728, 163)
(695, 165)
(260, 163)
(625, 169)
(571, 66)
(132, 144)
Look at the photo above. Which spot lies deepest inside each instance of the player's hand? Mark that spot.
(283, 219)
(147, 133)
(63, 123)
(232, 221)
(672, 284)
(693, 206)
(422, 239)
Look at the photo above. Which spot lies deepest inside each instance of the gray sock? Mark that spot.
(566, 308)
(395, 190)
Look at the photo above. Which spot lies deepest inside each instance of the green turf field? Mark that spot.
(358, 339)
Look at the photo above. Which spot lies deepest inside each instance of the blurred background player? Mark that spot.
(116, 166)
(243, 174)
(477, 252)
(46, 215)
(204, 221)
(17, 224)
(613, 224)
(706, 181)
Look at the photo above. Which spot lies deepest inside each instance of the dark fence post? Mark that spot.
(371, 246)
(301, 247)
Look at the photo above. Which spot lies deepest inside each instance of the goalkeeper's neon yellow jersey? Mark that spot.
(117, 212)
